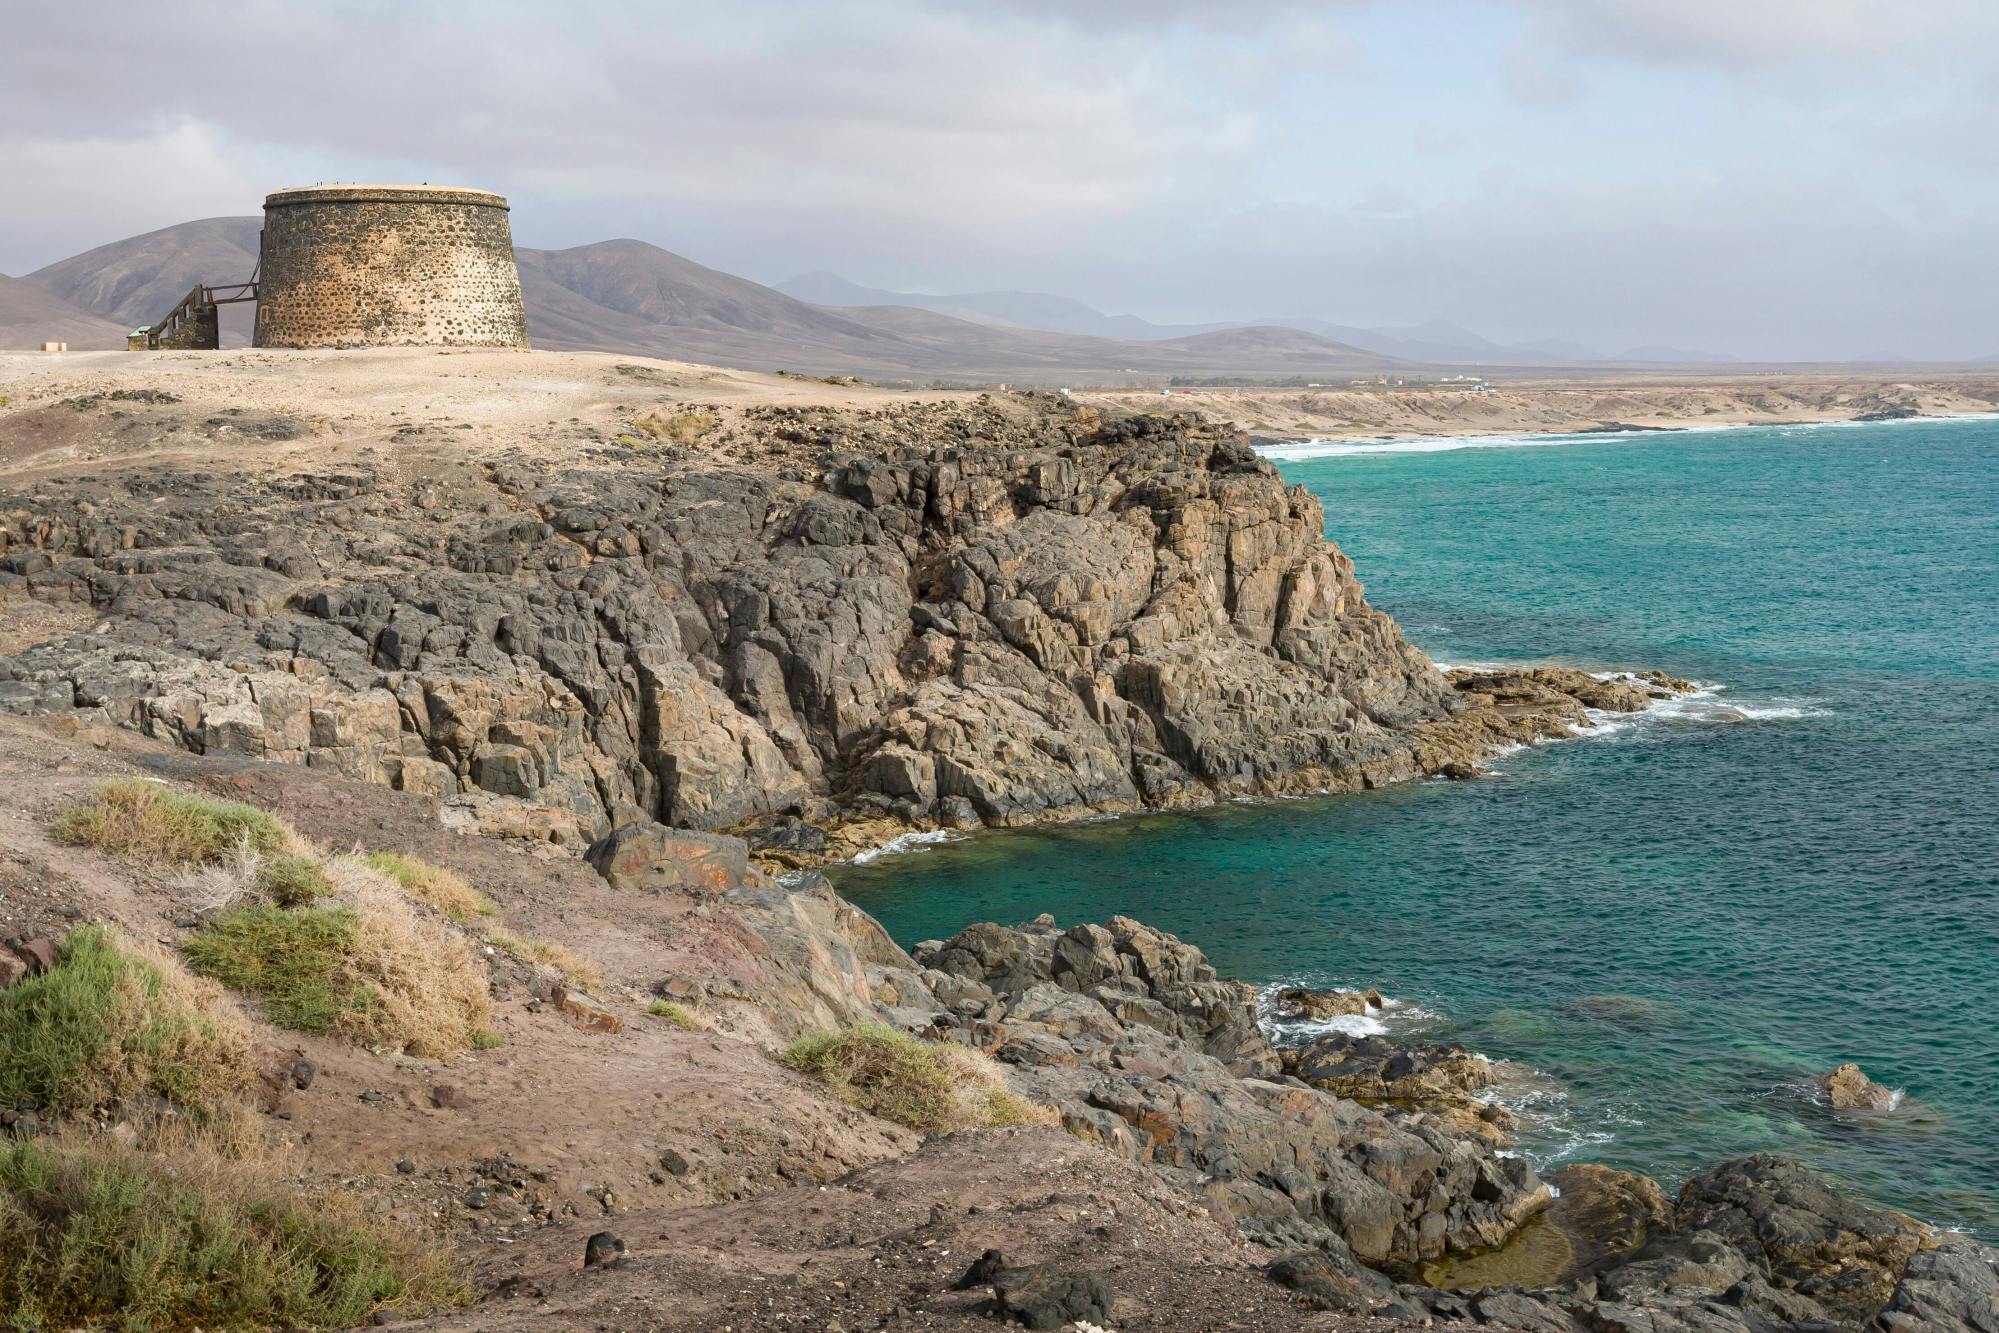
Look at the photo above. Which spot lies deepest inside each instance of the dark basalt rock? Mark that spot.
(987, 616)
(602, 1248)
(983, 1270)
(1044, 1297)
(1129, 1033)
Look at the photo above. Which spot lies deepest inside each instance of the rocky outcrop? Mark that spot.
(1128, 1033)
(1847, 1088)
(1319, 1005)
(953, 613)
(1756, 1245)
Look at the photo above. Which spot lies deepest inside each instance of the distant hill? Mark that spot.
(1021, 310)
(629, 296)
(1436, 342)
(632, 296)
(31, 315)
(136, 281)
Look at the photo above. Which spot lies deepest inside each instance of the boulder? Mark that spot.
(583, 1012)
(1848, 1089)
(651, 858)
(1298, 1002)
(1373, 1069)
(1045, 1297)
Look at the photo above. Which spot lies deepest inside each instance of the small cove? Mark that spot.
(1679, 920)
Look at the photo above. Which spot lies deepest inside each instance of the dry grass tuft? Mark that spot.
(178, 1233)
(935, 1087)
(155, 823)
(118, 1019)
(363, 966)
(549, 954)
(433, 993)
(679, 428)
(675, 1014)
(446, 890)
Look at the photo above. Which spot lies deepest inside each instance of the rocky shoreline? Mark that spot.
(983, 613)
(570, 670)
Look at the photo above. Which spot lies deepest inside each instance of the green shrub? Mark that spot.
(292, 881)
(485, 1039)
(446, 890)
(106, 1022)
(931, 1086)
(156, 823)
(674, 1014)
(297, 962)
(96, 1235)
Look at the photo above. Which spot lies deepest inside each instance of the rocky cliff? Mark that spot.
(973, 612)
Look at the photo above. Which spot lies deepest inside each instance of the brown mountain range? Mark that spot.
(629, 296)
(31, 315)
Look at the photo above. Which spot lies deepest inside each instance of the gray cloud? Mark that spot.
(1182, 159)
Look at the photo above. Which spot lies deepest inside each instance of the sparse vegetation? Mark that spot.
(675, 1014)
(446, 890)
(115, 1019)
(558, 956)
(487, 1040)
(299, 962)
(930, 1086)
(95, 1234)
(677, 428)
(364, 966)
(156, 823)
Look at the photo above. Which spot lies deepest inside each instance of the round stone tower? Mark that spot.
(388, 266)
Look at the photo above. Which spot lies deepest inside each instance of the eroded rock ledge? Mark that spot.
(960, 614)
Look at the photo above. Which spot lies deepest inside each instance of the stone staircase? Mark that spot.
(194, 324)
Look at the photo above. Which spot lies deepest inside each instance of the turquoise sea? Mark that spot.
(1677, 921)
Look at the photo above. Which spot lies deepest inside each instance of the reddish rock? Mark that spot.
(652, 858)
(39, 954)
(584, 1012)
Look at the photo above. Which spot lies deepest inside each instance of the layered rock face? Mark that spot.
(955, 613)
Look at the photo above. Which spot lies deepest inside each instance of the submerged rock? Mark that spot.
(1323, 1004)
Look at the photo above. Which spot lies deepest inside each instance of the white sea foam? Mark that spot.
(908, 842)
(1394, 1015)
(1551, 1131)
(1299, 451)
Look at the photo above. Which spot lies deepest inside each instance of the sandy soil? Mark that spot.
(747, 1198)
(414, 406)
(1543, 407)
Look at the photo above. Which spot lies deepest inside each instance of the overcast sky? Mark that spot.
(1808, 179)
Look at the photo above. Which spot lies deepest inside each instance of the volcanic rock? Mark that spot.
(1848, 1089)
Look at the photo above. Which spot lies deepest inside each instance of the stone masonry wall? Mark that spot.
(201, 332)
(384, 266)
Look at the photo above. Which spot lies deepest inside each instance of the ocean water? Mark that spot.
(1667, 928)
